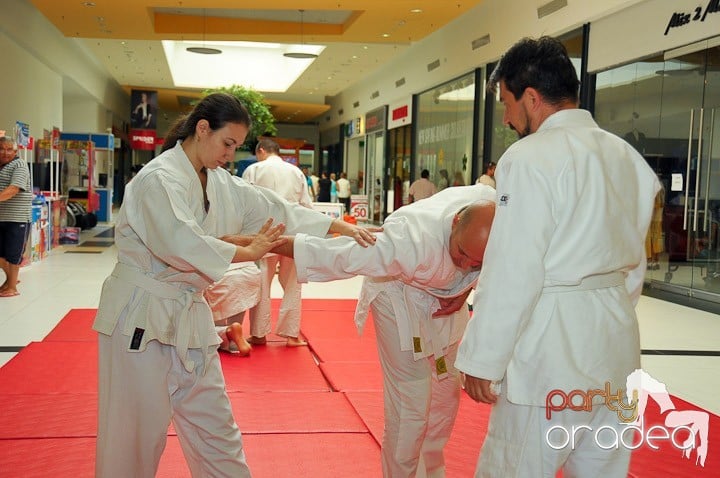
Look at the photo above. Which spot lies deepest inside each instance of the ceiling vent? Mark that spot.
(374, 95)
(433, 65)
(356, 104)
(340, 112)
(400, 82)
(482, 41)
(551, 7)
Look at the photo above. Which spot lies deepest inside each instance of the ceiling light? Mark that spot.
(88, 4)
(416, 10)
(203, 50)
(385, 35)
(300, 54)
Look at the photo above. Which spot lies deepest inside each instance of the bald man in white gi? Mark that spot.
(419, 274)
(564, 267)
(288, 181)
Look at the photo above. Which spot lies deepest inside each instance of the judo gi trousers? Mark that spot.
(288, 324)
(140, 392)
(519, 443)
(420, 410)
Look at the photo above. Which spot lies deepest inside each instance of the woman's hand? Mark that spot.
(267, 238)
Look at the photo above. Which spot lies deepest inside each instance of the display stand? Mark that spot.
(89, 157)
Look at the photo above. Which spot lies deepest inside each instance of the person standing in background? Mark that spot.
(444, 180)
(324, 187)
(489, 176)
(315, 186)
(333, 188)
(343, 191)
(422, 188)
(272, 172)
(311, 188)
(15, 213)
(563, 270)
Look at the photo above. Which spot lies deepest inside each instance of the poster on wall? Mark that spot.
(144, 104)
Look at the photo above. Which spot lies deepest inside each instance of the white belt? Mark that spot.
(182, 323)
(600, 281)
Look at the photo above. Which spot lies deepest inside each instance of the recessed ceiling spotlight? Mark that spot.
(385, 35)
(416, 10)
(88, 4)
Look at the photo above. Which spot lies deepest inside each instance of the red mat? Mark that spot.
(353, 376)
(356, 349)
(336, 325)
(273, 367)
(51, 367)
(48, 416)
(295, 412)
(75, 326)
(269, 456)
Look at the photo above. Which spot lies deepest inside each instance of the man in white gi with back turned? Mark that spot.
(288, 181)
(564, 267)
(419, 274)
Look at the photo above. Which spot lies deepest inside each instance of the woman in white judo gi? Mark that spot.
(554, 309)
(157, 344)
(418, 277)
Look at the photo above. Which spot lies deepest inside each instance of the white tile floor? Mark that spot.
(64, 281)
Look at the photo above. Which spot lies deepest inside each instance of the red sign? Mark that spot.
(142, 139)
(399, 113)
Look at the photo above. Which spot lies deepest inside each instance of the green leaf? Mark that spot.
(263, 122)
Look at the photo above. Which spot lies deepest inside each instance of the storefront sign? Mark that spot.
(400, 114)
(679, 19)
(375, 120)
(142, 139)
(354, 128)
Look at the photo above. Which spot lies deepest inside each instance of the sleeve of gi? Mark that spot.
(398, 252)
(259, 203)
(513, 272)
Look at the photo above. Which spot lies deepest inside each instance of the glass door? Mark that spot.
(375, 174)
(691, 209)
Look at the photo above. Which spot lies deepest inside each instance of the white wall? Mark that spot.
(506, 21)
(84, 115)
(30, 91)
(38, 61)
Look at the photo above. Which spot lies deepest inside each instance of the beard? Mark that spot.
(524, 131)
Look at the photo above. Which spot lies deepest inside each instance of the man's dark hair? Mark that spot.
(425, 173)
(542, 64)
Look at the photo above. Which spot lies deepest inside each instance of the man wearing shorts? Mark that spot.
(15, 210)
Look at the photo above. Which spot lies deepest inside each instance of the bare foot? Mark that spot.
(258, 340)
(234, 333)
(9, 292)
(295, 342)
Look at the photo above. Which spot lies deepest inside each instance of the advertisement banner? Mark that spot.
(22, 134)
(144, 104)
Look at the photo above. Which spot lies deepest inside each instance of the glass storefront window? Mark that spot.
(445, 132)
(667, 107)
